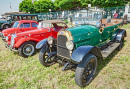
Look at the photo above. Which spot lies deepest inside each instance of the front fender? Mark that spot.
(18, 43)
(120, 34)
(41, 44)
(79, 54)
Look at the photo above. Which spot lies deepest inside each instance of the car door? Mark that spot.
(25, 27)
(105, 34)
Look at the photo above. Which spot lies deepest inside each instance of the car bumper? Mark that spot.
(10, 48)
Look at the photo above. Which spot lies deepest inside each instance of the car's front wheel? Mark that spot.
(85, 71)
(45, 58)
(27, 49)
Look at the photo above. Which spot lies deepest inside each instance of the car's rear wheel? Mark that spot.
(27, 49)
(86, 70)
(121, 44)
(45, 58)
(6, 26)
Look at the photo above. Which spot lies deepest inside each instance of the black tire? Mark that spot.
(43, 55)
(6, 26)
(87, 70)
(121, 45)
(24, 49)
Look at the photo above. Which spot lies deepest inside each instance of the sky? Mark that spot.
(5, 5)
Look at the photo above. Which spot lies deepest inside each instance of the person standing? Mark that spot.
(116, 15)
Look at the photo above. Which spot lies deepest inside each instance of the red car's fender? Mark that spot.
(23, 40)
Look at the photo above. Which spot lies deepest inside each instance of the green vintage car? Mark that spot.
(11, 19)
(80, 46)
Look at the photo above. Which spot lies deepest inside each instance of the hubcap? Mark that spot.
(28, 49)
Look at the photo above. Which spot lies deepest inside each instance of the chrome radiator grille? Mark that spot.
(61, 46)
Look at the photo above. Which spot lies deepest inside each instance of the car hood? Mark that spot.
(82, 32)
(32, 32)
(9, 31)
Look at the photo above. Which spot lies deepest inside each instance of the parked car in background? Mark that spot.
(19, 26)
(24, 43)
(80, 47)
(11, 19)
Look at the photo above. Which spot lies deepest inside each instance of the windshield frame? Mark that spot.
(15, 25)
(40, 25)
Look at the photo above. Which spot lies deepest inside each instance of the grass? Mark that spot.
(126, 26)
(27, 73)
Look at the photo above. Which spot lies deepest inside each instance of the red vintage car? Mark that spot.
(19, 26)
(24, 43)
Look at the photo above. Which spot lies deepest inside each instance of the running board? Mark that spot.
(107, 51)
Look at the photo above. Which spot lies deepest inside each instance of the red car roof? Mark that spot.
(28, 21)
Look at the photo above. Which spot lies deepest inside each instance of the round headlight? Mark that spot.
(69, 45)
(6, 38)
(50, 40)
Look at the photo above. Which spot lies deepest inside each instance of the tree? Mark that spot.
(43, 6)
(69, 4)
(56, 4)
(104, 3)
(26, 6)
(84, 3)
(109, 3)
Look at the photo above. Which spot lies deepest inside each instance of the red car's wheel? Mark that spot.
(27, 49)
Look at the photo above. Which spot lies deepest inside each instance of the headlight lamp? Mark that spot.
(69, 45)
(50, 40)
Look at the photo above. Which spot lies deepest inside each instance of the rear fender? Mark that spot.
(120, 34)
(23, 40)
(79, 54)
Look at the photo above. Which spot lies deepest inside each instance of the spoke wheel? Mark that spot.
(27, 49)
(86, 70)
(46, 58)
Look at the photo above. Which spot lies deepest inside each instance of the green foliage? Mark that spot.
(85, 3)
(109, 3)
(69, 4)
(26, 6)
(38, 6)
(43, 6)
(56, 4)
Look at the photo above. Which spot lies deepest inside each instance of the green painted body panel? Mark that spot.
(90, 35)
(85, 35)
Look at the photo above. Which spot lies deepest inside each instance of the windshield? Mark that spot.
(15, 24)
(87, 17)
(44, 25)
